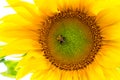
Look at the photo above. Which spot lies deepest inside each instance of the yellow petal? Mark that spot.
(95, 72)
(51, 74)
(16, 19)
(76, 76)
(100, 5)
(26, 10)
(108, 57)
(108, 17)
(67, 75)
(46, 6)
(83, 74)
(30, 64)
(112, 73)
(19, 46)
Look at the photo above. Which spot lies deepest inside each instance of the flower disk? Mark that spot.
(70, 39)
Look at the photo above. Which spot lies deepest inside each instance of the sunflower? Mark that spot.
(64, 39)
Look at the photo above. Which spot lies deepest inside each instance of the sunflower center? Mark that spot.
(70, 39)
